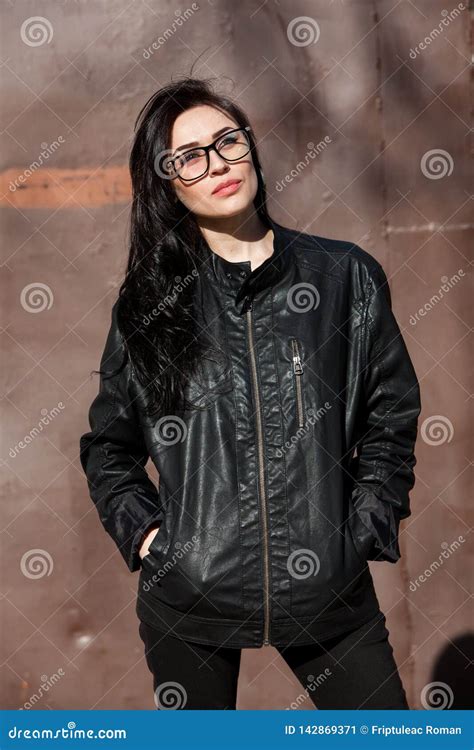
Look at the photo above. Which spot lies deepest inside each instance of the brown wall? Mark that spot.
(65, 227)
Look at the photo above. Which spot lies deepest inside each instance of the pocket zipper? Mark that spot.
(298, 372)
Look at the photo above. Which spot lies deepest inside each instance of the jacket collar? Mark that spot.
(238, 280)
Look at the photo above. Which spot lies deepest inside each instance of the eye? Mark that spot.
(228, 139)
(190, 155)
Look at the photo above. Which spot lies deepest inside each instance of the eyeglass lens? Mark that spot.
(193, 163)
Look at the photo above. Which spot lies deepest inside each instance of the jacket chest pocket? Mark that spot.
(298, 381)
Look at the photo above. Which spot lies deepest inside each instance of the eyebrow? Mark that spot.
(214, 135)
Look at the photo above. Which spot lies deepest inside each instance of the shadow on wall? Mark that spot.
(452, 677)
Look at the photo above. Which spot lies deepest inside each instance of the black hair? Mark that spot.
(166, 244)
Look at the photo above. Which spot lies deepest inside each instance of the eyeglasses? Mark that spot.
(193, 163)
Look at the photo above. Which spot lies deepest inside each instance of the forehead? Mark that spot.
(199, 124)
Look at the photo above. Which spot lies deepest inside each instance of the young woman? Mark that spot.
(263, 372)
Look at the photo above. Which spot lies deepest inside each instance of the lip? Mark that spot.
(227, 187)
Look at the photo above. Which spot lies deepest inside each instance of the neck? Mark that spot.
(243, 237)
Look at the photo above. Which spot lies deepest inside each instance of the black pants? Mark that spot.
(351, 671)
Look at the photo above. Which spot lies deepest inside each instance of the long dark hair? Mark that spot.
(155, 313)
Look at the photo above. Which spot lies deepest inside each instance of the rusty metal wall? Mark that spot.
(382, 87)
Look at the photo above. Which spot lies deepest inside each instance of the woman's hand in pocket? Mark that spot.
(147, 540)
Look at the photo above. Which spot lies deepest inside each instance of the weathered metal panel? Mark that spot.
(388, 116)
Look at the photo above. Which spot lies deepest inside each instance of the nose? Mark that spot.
(216, 162)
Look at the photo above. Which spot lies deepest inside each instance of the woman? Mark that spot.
(262, 370)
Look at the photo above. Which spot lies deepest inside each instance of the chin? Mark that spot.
(232, 207)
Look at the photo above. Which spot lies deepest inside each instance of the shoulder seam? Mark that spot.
(329, 246)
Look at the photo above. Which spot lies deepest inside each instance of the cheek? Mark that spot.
(252, 184)
(192, 196)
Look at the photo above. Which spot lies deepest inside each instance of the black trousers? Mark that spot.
(355, 670)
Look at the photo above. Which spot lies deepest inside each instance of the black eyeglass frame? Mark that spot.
(207, 149)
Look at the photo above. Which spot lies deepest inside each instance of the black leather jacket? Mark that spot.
(272, 498)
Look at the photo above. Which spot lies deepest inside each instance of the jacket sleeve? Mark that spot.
(113, 455)
(386, 458)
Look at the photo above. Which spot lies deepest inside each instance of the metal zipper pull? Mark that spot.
(297, 365)
(298, 371)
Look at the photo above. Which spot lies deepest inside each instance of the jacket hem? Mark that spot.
(230, 633)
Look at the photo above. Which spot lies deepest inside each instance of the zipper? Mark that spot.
(298, 371)
(261, 475)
